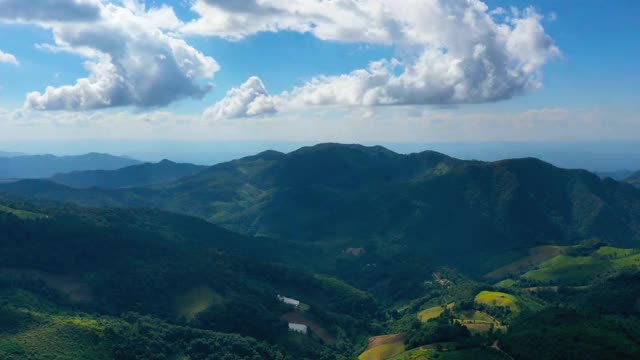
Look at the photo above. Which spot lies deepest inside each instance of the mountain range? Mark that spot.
(424, 205)
(44, 166)
(449, 258)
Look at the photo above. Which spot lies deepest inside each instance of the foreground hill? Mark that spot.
(136, 175)
(60, 264)
(44, 166)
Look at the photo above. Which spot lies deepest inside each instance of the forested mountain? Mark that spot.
(395, 209)
(44, 166)
(448, 258)
(136, 175)
(176, 269)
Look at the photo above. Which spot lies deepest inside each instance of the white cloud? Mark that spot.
(250, 99)
(8, 58)
(387, 124)
(49, 10)
(449, 51)
(131, 58)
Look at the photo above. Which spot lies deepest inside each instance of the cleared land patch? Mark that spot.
(564, 268)
(496, 298)
(22, 214)
(195, 301)
(448, 352)
(299, 318)
(536, 256)
(430, 313)
(384, 347)
(68, 285)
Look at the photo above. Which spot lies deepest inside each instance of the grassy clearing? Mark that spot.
(506, 283)
(430, 313)
(431, 352)
(70, 286)
(564, 268)
(611, 252)
(383, 352)
(26, 215)
(57, 338)
(535, 256)
(195, 301)
(495, 298)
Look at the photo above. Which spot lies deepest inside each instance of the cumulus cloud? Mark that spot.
(8, 58)
(449, 51)
(49, 10)
(132, 58)
(250, 99)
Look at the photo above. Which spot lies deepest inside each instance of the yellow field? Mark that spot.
(383, 352)
(196, 301)
(495, 298)
(383, 347)
(430, 313)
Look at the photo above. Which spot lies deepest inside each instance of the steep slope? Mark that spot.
(356, 195)
(43, 166)
(424, 206)
(177, 268)
(136, 175)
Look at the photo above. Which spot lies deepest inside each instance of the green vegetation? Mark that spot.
(169, 267)
(559, 250)
(566, 334)
(498, 299)
(196, 301)
(383, 351)
(430, 313)
(22, 214)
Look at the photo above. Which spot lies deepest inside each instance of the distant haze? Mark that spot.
(590, 155)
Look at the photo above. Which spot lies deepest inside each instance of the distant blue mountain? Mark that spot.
(44, 166)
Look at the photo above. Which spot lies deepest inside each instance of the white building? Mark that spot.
(289, 301)
(300, 328)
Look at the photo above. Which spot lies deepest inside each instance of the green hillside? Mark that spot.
(136, 175)
(399, 209)
(177, 269)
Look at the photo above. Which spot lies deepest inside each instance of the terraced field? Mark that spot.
(384, 347)
(479, 321)
(431, 353)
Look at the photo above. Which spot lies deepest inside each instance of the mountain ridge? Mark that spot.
(44, 166)
(130, 176)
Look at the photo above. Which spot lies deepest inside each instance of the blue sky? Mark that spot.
(581, 86)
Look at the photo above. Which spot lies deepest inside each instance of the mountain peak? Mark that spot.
(338, 147)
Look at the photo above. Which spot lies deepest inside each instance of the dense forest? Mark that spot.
(390, 256)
